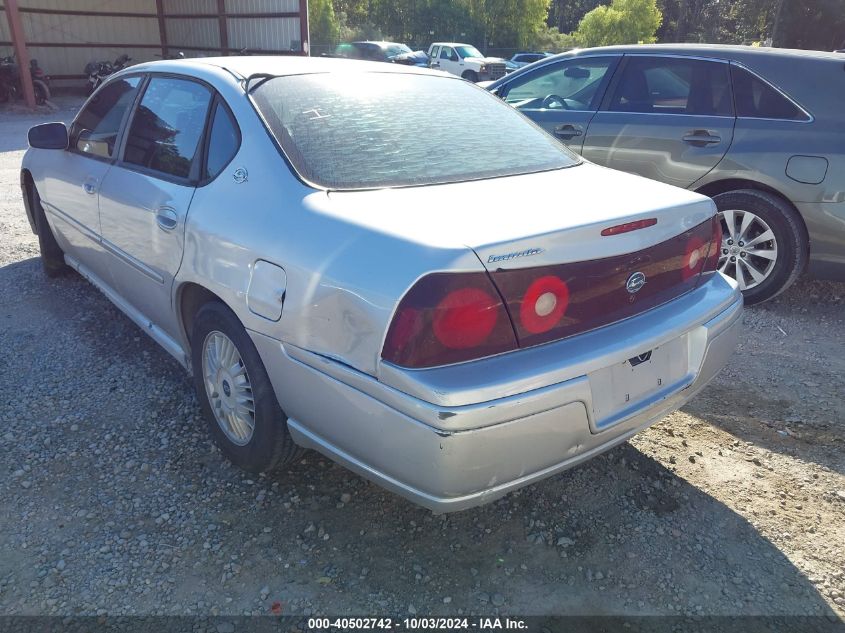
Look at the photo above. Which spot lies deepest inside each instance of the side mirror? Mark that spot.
(576, 72)
(48, 136)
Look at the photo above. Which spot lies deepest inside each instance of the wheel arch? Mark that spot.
(190, 297)
(27, 187)
(714, 188)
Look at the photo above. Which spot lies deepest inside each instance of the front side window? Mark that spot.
(569, 85)
(670, 85)
(446, 53)
(167, 126)
(468, 51)
(95, 130)
(756, 99)
(368, 130)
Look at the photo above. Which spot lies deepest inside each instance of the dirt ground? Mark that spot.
(114, 500)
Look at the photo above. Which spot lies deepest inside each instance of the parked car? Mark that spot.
(414, 58)
(750, 127)
(520, 60)
(466, 61)
(373, 280)
(372, 51)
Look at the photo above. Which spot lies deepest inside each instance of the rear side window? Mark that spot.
(671, 85)
(371, 129)
(223, 142)
(756, 99)
(95, 130)
(167, 126)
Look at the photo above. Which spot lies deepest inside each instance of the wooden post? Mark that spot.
(224, 28)
(21, 54)
(304, 30)
(162, 29)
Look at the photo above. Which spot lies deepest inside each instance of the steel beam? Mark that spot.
(304, 29)
(21, 53)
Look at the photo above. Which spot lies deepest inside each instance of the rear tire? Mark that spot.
(470, 75)
(233, 400)
(52, 256)
(763, 267)
(42, 92)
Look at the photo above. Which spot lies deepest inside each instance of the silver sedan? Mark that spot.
(385, 264)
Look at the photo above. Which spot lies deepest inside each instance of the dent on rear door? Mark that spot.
(666, 118)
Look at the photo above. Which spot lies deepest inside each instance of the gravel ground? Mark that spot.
(114, 500)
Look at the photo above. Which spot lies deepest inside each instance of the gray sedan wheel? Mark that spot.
(764, 243)
(235, 393)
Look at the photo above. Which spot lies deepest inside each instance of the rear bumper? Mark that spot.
(451, 449)
(826, 227)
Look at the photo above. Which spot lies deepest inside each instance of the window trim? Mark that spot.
(218, 102)
(809, 116)
(121, 130)
(608, 97)
(193, 177)
(604, 84)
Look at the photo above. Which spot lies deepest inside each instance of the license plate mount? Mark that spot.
(624, 386)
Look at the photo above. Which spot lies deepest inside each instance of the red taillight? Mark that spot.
(465, 318)
(712, 263)
(448, 318)
(695, 255)
(629, 226)
(544, 304)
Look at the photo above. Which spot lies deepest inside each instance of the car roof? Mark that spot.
(280, 65)
(727, 51)
(449, 44)
(377, 42)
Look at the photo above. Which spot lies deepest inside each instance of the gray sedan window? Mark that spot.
(373, 130)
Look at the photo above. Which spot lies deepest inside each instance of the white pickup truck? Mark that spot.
(465, 61)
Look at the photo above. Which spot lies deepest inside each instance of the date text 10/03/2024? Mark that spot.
(417, 624)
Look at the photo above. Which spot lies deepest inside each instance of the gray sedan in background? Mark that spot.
(762, 131)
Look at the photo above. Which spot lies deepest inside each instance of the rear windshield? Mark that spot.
(365, 130)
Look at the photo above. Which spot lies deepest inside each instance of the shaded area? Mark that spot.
(127, 491)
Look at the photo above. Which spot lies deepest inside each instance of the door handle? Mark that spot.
(167, 218)
(567, 131)
(701, 138)
(90, 187)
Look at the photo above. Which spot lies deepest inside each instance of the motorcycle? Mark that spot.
(98, 71)
(10, 81)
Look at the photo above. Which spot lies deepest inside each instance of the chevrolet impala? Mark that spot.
(451, 306)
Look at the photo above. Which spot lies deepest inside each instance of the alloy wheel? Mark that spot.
(749, 248)
(228, 388)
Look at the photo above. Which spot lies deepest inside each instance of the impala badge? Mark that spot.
(635, 283)
(503, 258)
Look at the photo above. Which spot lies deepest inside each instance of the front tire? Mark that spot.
(235, 393)
(764, 243)
(52, 256)
(470, 75)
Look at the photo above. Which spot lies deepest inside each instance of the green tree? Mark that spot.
(551, 40)
(322, 22)
(623, 22)
(566, 14)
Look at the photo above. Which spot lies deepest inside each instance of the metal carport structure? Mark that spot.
(67, 34)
